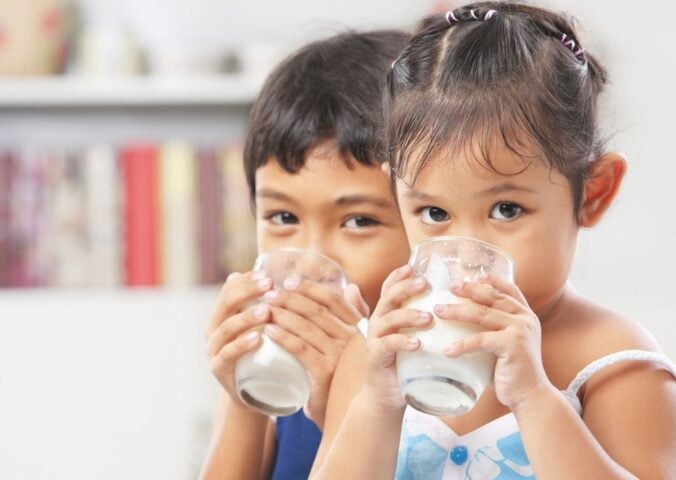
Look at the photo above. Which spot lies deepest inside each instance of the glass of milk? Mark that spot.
(430, 381)
(270, 379)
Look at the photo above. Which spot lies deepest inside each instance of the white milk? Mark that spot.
(271, 380)
(430, 381)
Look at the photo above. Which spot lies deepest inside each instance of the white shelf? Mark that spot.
(65, 91)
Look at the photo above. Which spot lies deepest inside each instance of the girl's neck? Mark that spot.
(558, 306)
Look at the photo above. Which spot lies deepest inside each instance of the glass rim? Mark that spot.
(446, 238)
(303, 251)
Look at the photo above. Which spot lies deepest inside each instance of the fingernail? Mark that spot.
(260, 312)
(259, 275)
(264, 283)
(423, 317)
(271, 329)
(440, 309)
(452, 349)
(456, 285)
(251, 336)
(291, 283)
(270, 295)
(419, 283)
(413, 342)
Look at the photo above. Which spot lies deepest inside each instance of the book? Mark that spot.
(239, 232)
(103, 223)
(178, 237)
(210, 217)
(140, 213)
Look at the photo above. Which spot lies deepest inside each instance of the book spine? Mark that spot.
(139, 165)
(178, 206)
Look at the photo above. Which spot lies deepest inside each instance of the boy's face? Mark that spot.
(347, 214)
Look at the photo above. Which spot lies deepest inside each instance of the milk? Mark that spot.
(430, 381)
(271, 380)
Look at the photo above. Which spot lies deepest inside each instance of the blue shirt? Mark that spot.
(297, 443)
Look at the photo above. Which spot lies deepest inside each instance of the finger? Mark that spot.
(227, 356)
(487, 295)
(311, 310)
(305, 329)
(398, 319)
(235, 326)
(236, 293)
(479, 342)
(505, 287)
(326, 296)
(384, 349)
(354, 297)
(303, 351)
(479, 314)
(405, 271)
(399, 293)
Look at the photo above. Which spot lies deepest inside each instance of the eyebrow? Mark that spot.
(345, 200)
(359, 199)
(503, 188)
(495, 190)
(273, 194)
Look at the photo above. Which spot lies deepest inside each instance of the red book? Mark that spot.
(139, 167)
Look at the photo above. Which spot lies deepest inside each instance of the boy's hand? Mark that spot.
(226, 334)
(385, 340)
(314, 323)
(512, 334)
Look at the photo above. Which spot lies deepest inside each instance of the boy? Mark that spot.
(312, 159)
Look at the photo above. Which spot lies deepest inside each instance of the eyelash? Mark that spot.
(371, 222)
(420, 211)
(270, 217)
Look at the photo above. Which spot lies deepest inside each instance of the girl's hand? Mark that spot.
(314, 323)
(384, 339)
(512, 334)
(226, 335)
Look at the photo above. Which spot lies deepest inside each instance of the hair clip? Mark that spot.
(452, 19)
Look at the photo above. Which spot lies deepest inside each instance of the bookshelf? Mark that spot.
(71, 114)
(68, 92)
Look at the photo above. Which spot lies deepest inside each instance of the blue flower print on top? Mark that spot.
(421, 459)
(506, 460)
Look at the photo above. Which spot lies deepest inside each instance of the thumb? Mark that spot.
(354, 298)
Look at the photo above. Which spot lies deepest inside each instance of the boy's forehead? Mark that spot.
(325, 176)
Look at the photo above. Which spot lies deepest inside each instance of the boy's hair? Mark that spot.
(331, 89)
(495, 72)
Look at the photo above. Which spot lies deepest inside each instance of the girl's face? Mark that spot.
(525, 208)
(347, 214)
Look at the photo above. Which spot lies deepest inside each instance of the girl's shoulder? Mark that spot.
(587, 333)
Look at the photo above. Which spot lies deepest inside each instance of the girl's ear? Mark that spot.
(601, 187)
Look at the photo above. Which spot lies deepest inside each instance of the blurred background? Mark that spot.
(123, 207)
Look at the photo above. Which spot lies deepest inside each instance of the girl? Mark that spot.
(493, 133)
(312, 159)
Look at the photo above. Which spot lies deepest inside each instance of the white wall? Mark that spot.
(112, 387)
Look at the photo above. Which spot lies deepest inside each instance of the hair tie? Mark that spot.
(570, 44)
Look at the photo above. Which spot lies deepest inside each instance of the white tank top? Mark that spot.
(430, 450)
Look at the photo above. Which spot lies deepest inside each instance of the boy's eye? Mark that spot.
(283, 218)
(505, 211)
(433, 215)
(360, 221)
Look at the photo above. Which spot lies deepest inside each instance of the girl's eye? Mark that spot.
(360, 222)
(283, 218)
(433, 215)
(506, 211)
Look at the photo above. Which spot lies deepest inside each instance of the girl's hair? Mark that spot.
(331, 89)
(490, 72)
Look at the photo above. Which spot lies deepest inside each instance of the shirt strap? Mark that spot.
(597, 365)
